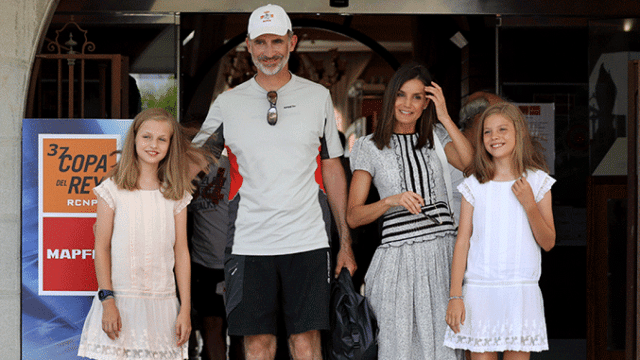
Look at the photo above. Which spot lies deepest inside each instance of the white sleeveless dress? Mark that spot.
(142, 262)
(503, 302)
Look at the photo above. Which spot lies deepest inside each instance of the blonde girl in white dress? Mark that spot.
(495, 302)
(141, 247)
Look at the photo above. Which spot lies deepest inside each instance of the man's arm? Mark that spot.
(335, 184)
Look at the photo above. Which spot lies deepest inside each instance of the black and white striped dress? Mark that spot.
(408, 279)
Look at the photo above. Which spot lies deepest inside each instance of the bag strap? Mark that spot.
(445, 170)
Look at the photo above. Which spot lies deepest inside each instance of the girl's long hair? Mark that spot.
(527, 154)
(424, 125)
(173, 170)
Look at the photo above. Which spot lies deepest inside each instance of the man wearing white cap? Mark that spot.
(278, 261)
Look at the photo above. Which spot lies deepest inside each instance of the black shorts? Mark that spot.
(263, 289)
(206, 301)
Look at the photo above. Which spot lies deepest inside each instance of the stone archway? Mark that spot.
(22, 23)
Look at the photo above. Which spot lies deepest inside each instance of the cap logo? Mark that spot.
(267, 16)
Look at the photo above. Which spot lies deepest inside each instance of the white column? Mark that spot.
(21, 25)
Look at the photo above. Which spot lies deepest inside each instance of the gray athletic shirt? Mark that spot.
(278, 208)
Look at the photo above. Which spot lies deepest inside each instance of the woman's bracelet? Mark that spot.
(455, 297)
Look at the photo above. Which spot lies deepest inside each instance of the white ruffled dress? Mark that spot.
(503, 302)
(142, 262)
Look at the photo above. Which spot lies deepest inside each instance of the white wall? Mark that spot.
(21, 23)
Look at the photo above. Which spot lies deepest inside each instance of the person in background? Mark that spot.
(209, 222)
(278, 263)
(470, 113)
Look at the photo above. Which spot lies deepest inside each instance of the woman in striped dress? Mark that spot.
(407, 282)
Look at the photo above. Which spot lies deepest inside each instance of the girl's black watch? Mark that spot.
(105, 294)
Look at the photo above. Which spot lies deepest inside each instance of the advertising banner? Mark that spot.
(62, 161)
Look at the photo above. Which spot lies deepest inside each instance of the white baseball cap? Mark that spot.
(268, 19)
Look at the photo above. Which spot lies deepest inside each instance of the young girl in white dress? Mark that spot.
(140, 239)
(495, 302)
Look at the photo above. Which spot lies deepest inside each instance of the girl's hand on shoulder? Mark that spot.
(409, 200)
(455, 314)
(183, 327)
(435, 94)
(523, 191)
(111, 321)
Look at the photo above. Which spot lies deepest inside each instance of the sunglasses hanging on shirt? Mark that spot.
(272, 113)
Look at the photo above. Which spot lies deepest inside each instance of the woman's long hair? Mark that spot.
(527, 154)
(173, 170)
(386, 122)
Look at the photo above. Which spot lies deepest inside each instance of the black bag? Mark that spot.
(354, 329)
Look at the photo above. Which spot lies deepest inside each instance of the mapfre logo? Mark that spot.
(267, 16)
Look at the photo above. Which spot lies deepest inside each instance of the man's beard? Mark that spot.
(270, 70)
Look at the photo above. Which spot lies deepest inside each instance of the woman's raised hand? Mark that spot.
(435, 94)
(409, 200)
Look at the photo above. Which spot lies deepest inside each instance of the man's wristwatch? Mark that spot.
(105, 294)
